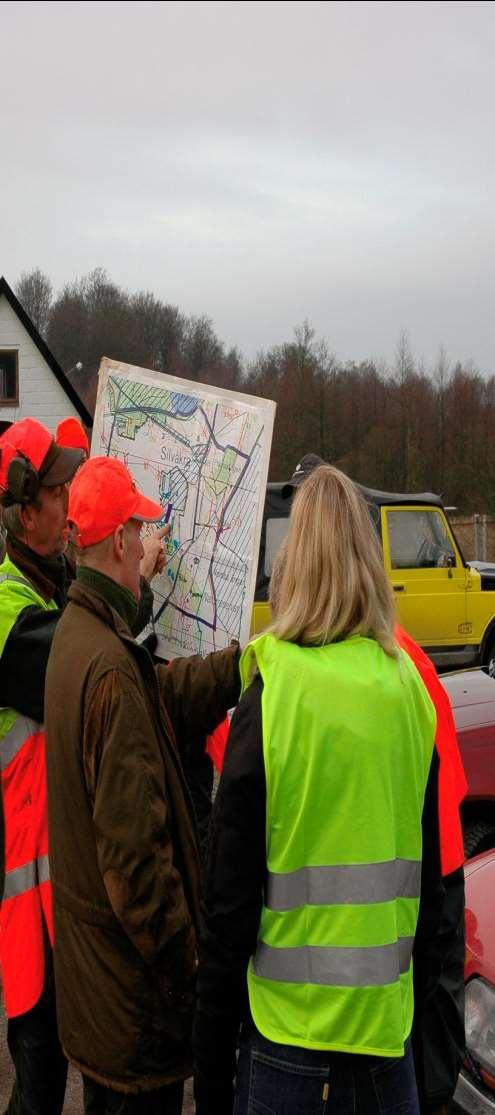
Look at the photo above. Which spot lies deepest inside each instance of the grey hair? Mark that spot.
(93, 556)
(11, 518)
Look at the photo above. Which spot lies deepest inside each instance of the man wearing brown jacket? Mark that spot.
(123, 851)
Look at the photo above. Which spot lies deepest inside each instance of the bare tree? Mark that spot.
(441, 376)
(202, 350)
(404, 370)
(34, 290)
(409, 426)
(156, 332)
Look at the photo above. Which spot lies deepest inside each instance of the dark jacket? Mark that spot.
(438, 1029)
(234, 891)
(123, 851)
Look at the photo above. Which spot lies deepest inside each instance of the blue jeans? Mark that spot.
(287, 1080)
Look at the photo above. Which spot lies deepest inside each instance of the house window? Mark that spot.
(9, 377)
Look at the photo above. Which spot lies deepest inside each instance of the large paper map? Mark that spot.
(203, 454)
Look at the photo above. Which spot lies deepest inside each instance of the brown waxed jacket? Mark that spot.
(123, 853)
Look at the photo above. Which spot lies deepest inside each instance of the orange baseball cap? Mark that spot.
(52, 464)
(70, 432)
(102, 496)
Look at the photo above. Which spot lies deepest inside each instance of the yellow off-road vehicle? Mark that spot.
(444, 602)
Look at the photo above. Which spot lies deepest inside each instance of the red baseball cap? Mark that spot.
(52, 463)
(102, 497)
(71, 432)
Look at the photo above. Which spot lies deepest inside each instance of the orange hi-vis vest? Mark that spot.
(26, 906)
(452, 783)
(217, 742)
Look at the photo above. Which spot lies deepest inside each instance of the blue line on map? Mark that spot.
(190, 615)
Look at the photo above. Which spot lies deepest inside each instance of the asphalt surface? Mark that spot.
(73, 1100)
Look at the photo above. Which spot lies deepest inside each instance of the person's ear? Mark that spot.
(27, 516)
(119, 542)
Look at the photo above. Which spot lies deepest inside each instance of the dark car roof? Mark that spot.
(372, 495)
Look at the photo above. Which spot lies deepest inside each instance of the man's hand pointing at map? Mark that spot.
(153, 559)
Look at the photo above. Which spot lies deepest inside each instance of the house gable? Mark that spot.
(44, 391)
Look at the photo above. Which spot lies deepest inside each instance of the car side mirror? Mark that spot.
(450, 565)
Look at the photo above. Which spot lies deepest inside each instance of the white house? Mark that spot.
(32, 383)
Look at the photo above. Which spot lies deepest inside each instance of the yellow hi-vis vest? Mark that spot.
(348, 735)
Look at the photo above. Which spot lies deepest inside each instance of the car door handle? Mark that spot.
(399, 588)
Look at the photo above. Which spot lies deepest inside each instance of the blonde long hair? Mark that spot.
(328, 581)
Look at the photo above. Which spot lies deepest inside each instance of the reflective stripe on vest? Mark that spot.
(335, 967)
(342, 885)
(22, 879)
(17, 580)
(15, 738)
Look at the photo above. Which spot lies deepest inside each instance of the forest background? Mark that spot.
(400, 427)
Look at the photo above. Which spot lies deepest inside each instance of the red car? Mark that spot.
(472, 694)
(476, 1087)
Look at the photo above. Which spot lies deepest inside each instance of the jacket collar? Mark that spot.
(48, 575)
(119, 597)
(87, 597)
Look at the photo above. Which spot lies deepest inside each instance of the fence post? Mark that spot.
(483, 539)
(477, 538)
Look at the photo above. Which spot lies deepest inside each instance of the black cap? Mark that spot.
(60, 465)
(302, 470)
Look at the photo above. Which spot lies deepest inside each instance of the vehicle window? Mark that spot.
(374, 514)
(419, 540)
(275, 532)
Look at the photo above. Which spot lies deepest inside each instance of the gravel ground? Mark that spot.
(73, 1101)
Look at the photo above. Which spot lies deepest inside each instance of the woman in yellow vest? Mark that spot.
(324, 863)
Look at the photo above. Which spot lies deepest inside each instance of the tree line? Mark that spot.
(402, 427)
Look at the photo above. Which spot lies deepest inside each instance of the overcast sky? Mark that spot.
(261, 163)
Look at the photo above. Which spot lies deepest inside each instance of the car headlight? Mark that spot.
(480, 1024)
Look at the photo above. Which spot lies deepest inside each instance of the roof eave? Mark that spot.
(47, 355)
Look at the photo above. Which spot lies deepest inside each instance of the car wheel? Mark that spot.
(479, 836)
(488, 663)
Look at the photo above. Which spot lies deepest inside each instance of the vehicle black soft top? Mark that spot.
(380, 498)
(372, 495)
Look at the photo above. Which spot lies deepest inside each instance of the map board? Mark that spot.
(202, 453)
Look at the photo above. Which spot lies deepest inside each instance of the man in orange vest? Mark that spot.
(34, 476)
(34, 479)
(2, 844)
